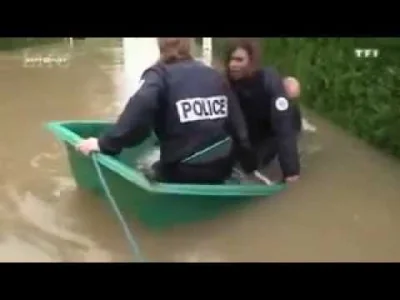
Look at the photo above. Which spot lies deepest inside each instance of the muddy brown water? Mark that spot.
(346, 207)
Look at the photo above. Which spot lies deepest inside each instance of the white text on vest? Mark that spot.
(199, 109)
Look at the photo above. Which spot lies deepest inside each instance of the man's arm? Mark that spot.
(282, 124)
(137, 120)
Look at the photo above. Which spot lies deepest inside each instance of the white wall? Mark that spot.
(139, 54)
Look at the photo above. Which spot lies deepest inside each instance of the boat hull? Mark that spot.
(157, 205)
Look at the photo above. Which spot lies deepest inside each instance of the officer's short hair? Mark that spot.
(250, 45)
(174, 49)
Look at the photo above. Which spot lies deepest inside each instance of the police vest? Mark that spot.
(193, 110)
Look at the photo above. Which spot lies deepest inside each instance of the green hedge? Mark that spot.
(360, 95)
(18, 43)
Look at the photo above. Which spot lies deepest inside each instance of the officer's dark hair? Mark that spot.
(250, 45)
(173, 50)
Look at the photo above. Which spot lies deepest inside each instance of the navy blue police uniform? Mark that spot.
(189, 106)
(272, 120)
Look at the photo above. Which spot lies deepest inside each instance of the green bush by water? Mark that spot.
(18, 43)
(359, 94)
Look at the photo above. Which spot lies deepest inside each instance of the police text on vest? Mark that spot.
(200, 109)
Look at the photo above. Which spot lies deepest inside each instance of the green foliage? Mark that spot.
(359, 94)
(18, 43)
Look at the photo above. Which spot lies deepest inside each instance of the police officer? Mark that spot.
(190, 107)
(273, 121)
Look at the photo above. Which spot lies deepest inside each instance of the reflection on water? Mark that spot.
(346, 206)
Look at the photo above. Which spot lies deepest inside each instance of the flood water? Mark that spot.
(346, 207)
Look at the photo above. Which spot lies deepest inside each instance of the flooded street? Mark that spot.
(346, 207)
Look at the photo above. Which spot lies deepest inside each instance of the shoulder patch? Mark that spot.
(281, 104)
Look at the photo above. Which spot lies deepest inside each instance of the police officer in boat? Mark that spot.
(190, 107)
(273, 121)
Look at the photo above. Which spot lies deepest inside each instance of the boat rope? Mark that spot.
(128, 233)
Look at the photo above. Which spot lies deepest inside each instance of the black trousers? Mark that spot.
(267, 150)
(215, 172)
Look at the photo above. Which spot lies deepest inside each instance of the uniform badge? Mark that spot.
(281, 104)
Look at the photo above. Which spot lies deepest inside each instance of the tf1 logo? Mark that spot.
(366, 53)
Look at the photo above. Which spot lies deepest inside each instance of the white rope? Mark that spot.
(257, 174)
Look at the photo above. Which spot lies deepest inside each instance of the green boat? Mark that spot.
(156, 205)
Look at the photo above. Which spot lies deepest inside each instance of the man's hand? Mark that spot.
(87, 146)
(292, 87)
